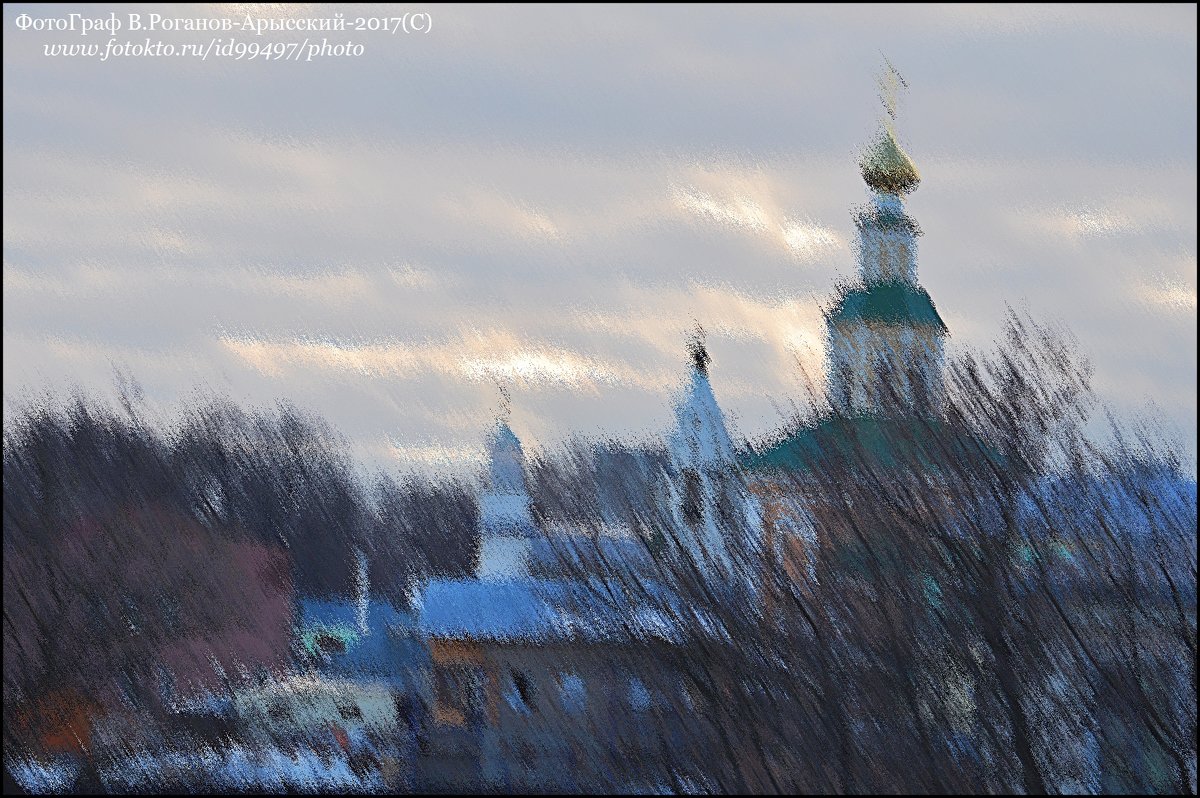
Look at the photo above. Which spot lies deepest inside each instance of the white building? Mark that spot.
(714, 515)
(886, 339)
(506, 523)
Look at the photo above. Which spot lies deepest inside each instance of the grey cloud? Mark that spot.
(588, 181)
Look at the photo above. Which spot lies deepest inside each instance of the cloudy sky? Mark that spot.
(548, 197)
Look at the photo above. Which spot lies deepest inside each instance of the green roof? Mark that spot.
(888, 303)
(886, 441)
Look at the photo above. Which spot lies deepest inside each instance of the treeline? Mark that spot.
(281, 477)
(986, 601)
(134, 554)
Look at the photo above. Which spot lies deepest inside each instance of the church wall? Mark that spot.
(870, 362)
(887, 256)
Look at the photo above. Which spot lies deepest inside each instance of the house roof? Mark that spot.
(385, 651)
(547, 609)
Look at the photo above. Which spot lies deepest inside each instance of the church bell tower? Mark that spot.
(886, 339)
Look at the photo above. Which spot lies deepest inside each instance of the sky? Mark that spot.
(549, 198)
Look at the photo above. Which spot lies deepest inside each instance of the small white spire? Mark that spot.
(504, 505)
(700, 438)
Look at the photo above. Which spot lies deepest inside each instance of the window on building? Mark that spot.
(519, 693)
(330, 644)
(132, 612)
(693, 498)
(727, 507)
(459, 693)
(528, 755)
(692, 698)
(97, 616)
(574, 693)
(845, 383)
(129, 688)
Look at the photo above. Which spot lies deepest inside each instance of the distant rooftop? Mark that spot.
(386, 651)
(591, 610)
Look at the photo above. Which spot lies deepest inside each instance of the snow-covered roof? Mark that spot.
(547, 609)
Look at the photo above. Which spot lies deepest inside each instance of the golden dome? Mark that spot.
(887, 168)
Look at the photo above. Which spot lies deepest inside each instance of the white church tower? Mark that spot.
(709, 501)
(506, 523)
(886, 339)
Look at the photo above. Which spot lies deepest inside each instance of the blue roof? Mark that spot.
(1167, 500)
(387, 651)
(493, 609)
(1148, 514)
(541, 609)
